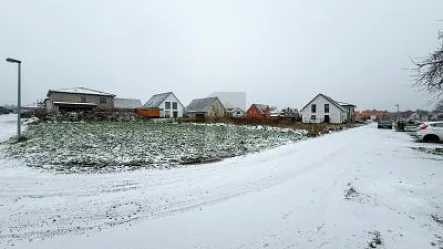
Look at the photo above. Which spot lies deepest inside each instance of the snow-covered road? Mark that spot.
(335, 191)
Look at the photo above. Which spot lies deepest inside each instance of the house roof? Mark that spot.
(262, 108)
(345, 104)
(80, 90)
(200, 105)
(234, 109)
(127, 103)
(157, 99)
(331, 100)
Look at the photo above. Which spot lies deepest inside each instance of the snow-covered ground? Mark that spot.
(343, 190)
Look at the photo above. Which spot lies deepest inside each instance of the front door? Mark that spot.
(326, 119)
(175, 113)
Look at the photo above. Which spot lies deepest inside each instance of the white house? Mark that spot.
(324, 109)
(235, 112)
(168, 103)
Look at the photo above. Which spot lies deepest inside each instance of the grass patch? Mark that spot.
(110, 146)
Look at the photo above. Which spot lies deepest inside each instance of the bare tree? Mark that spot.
(429, 72)
(439, 107)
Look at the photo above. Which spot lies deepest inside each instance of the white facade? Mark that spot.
(335, 114)
(236, 112)
(174, 106)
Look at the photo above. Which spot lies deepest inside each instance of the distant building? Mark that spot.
(290, 114)
(236, 112)
(231, 99)
(210, 107)
(127, 104)
(350, 108)
(167, 103)
(274, 112)
(258, 111)
(324, 109)
(78, 99)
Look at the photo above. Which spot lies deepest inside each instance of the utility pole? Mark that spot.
(19, 107)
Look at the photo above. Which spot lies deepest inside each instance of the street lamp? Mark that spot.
(19, 107)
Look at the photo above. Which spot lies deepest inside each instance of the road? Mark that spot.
(341, 190)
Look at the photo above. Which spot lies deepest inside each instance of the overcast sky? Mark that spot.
(279, 52)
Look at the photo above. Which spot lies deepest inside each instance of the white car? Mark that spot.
(430, 132)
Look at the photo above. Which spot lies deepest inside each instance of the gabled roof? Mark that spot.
(157, 99)
(274, 109)
(127, 103)
(260, 107)
(234, 109)
(80, 90)
(331, 100)
(201, 105)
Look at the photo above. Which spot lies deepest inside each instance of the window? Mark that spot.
(313, 117)
(102, 100)
(326, 108)
(174, 105)
(167, 105)
(167, 113)
(313, 108)
(83, 99)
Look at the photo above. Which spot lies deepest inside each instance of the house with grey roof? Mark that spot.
(235, 112)
(324, 109)
(209, 108)
(127, 104)
(169, 105)
(78, 99)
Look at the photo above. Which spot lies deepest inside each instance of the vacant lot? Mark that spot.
(126, 145)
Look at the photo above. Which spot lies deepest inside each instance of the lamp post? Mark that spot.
(19, 107)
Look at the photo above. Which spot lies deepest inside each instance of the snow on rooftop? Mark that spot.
(82, 90)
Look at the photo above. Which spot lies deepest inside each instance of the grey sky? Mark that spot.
(280, 52)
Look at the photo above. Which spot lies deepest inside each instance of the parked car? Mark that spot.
(411, 128)
(387, 124)
(429, 132)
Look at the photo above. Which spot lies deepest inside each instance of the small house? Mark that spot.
(350, 109)
(258, 111)
(78, 99)
(168, 105)
(209, 108)
(289, 114)
(235, 112)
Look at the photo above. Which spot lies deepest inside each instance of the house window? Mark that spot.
(83, 99)
(174, 105)
(313, 117)
(167, 105)
(167, 113)
(102, 100)
(326, 108)
(314, 108)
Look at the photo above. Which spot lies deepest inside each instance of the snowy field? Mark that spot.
(114, 146)
(360, 188)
